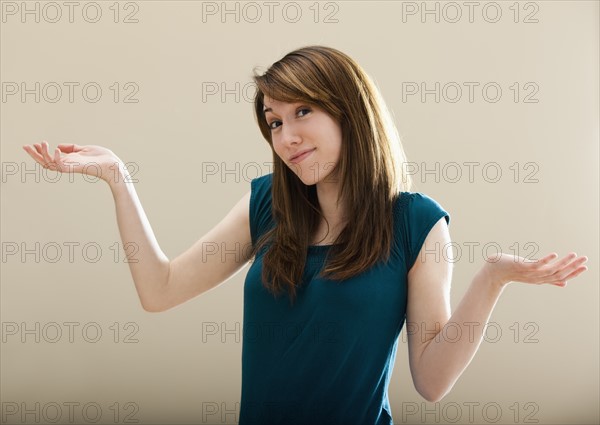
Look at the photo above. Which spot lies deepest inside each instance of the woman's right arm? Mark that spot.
(161, 284)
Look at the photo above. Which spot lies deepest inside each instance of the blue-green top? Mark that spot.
(328, 358)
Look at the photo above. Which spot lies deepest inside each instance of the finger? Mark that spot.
(559, 265)
(69, 147)
(57, 155)
(551, 273)
(562, 276)
(34, 154)
(544, 260)
(45, 152)
(572, 262)
(578, 261)
(575, 273)
(575, 266)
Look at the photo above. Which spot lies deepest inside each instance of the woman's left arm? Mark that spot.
(441, 345)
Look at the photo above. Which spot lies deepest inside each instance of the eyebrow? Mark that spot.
(265, 110)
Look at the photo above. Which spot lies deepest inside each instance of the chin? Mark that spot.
(309, 175)
(306, 181)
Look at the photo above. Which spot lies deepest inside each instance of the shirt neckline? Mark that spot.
(316, 253)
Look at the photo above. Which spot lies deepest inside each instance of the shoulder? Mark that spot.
(261, 189)
(261, 218)
(417, 205)
(262, 181)
(415, 215)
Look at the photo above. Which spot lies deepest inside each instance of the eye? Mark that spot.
(271, 124)
(304, 109)
(307, 110)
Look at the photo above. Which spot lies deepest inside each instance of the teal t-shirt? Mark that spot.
(328, 358)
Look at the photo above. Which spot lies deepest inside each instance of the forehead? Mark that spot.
(277, 104)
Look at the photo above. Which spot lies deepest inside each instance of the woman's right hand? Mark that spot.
(92, 160)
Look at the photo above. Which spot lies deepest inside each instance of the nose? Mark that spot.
(289, 134)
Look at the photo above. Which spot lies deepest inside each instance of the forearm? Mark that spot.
(149, 266)
(449, 353)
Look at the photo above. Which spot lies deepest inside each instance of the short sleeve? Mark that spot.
(261, 218)
(420, 213)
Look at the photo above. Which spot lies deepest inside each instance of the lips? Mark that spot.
(301, 155)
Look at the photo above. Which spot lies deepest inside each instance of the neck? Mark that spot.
(327, 194)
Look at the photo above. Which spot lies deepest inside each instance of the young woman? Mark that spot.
(338, 246)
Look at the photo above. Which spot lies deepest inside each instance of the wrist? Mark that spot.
(488, 275)
(115, 173)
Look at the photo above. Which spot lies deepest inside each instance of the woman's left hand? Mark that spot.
(506, 268)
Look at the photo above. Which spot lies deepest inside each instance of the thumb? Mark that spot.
(69, 147)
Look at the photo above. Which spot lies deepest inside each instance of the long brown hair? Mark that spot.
(369, 170)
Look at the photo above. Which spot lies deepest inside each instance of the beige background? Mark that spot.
(542, 368)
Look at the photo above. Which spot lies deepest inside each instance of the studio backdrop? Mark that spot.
(497, 107)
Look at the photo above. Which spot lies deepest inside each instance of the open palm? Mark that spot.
(93, 160)
(507, 268)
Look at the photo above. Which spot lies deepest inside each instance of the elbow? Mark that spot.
(156, 302)
(150, 309)
(433, 395)
(432, 388)
(431, 398)
(153, 307)
(432, 391)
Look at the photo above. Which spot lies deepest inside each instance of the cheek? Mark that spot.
(334, 135)
(281, 152)
(334, 144)
(277, 148)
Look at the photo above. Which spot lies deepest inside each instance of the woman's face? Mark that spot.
(299, 127)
